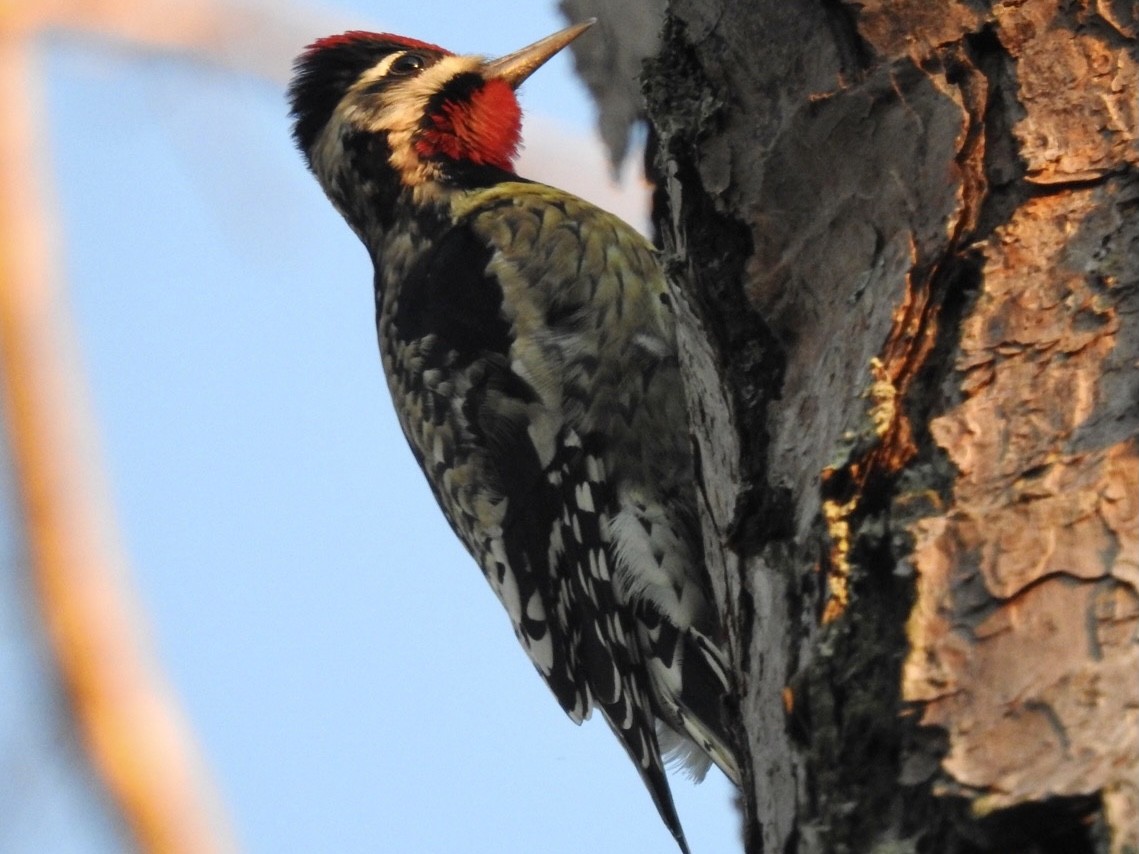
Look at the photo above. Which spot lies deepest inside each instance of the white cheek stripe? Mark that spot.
(399, 117)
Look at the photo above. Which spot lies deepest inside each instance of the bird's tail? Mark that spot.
(692, 685)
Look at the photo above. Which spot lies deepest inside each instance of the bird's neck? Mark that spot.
(371, 193)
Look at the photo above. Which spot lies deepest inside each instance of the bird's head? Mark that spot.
(427, 112)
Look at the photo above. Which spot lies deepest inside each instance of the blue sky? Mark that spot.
(354, 683)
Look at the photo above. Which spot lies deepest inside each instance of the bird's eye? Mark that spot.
(407, 65)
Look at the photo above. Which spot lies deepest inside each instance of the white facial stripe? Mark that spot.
(419, 87)
(396, 111)
(379, 70)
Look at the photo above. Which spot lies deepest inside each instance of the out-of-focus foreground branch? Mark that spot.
(125, 712)
(126, 715)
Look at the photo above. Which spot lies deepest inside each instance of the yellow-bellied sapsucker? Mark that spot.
(530, 348)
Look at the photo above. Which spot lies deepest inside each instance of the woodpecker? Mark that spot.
(529, 344)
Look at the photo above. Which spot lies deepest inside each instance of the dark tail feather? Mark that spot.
(617, 689)
(640, 742)
(705, 689)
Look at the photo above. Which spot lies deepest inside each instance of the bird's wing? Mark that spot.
(585, 301)
(468, 417)
(508, 374)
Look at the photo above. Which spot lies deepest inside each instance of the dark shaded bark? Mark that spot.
(907, 238)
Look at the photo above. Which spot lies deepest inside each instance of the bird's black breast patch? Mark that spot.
(448, 293)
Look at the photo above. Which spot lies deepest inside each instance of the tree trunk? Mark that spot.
(907, 238)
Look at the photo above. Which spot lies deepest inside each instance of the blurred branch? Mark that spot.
(259, 40)
(129, 722)
(132, 728)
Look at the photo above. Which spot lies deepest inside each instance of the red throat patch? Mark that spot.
(485, 129)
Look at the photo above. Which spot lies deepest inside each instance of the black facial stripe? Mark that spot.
(394, 79)
(456, 90)
(322, 78)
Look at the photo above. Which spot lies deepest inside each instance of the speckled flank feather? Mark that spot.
(555, 456)
(528, 341)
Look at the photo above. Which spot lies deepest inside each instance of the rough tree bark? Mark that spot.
(907, 239)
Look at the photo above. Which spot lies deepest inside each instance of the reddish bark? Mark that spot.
(908, 238)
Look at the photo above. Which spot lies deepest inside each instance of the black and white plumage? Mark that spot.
(529, 345)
